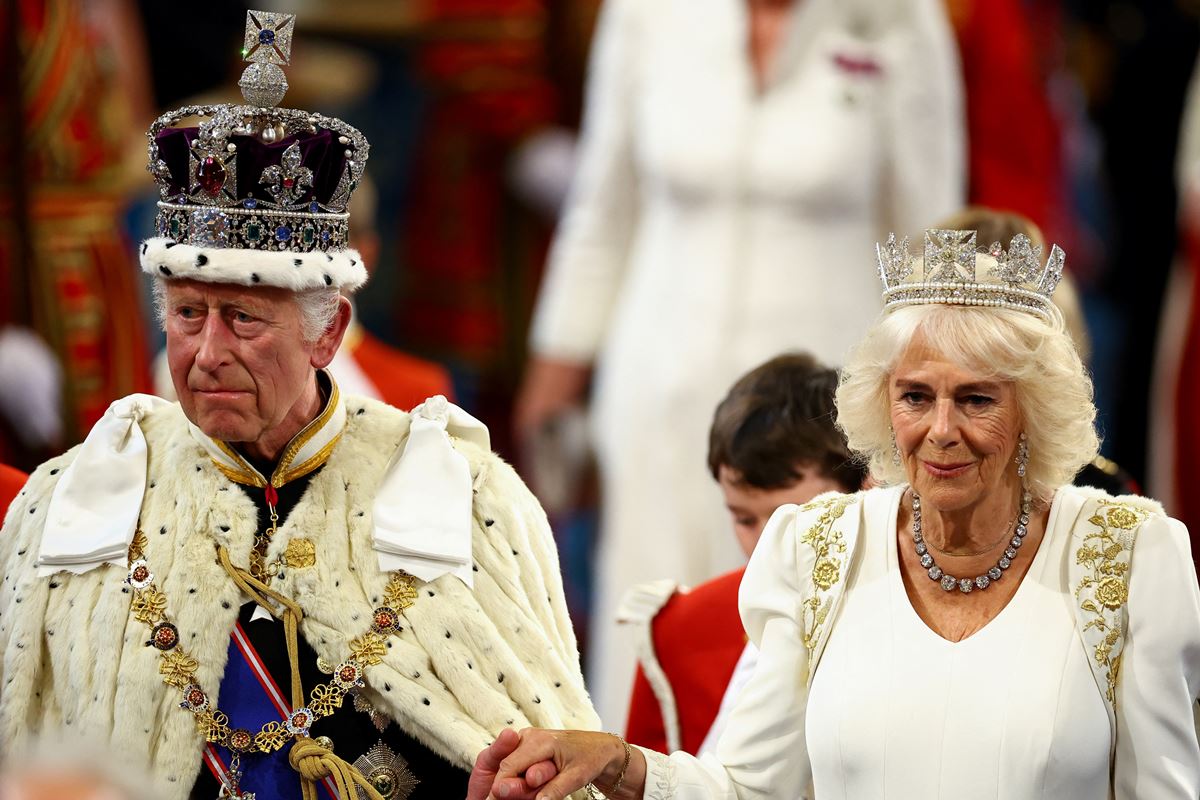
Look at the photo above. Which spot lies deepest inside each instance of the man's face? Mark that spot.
(237, 357)
(751, 507)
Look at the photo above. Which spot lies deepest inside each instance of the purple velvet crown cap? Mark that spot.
(320, 152)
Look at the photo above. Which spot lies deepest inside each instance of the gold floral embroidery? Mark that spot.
(1112, 593)
(1121, 517)
(830, 550)
(300, 554)
(1104, 589)
(825, 573)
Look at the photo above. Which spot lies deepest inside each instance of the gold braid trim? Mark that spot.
(1103, 591)
(830, 552)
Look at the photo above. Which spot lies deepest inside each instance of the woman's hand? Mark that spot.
(550, 765)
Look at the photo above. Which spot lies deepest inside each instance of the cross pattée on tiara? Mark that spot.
(950, 273)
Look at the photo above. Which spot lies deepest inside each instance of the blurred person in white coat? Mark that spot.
(738, 157)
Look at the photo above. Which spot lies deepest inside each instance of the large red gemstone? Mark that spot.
(289, 182)
(210, 175)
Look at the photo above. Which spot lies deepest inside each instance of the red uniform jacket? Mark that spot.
(11, 481)
(697, 639)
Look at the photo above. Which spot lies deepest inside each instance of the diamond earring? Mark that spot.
(895, 450)
(1022, 454)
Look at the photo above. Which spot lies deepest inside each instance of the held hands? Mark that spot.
(549, 765)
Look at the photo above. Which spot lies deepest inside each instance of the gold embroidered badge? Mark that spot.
(300, 554)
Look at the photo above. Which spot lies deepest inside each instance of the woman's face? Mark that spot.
(956, 429)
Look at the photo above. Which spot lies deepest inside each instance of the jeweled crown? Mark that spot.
(255, 176)
(953, 271)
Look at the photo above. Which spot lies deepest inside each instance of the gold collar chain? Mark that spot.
(178, 668)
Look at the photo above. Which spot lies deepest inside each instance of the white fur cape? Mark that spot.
(467, 664)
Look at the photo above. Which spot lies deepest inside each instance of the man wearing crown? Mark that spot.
(270, 588)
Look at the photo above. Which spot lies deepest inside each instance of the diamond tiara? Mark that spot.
(257, 177)
(953, 271)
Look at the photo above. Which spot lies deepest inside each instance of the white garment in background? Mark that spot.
(1013, 712)
(711, 226)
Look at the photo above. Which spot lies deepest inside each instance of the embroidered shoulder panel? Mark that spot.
(829, 563)
(1104, 548)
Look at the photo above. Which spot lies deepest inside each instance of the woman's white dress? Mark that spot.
(1013, 712)
(712, 225)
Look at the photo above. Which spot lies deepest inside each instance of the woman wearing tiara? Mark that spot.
(974, 627)
(736, 155)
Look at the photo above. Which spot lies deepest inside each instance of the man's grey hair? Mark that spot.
(318, 309)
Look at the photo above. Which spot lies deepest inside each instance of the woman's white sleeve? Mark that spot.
(591, 246)
(1157, 753)
(762, 753)
(924, 120)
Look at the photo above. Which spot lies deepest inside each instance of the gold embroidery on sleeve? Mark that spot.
(1103, 591)
(830, 551)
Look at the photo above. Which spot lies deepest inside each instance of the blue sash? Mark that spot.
(253, 699)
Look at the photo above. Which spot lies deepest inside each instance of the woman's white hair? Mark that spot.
(318, 308)
(1053, 391)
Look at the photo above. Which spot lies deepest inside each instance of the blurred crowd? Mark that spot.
(585, 220)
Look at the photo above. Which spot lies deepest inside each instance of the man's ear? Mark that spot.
(327, 344)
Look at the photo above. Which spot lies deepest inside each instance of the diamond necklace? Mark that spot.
(966, 585)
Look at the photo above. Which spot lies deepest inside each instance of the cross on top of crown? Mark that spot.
(268, 37)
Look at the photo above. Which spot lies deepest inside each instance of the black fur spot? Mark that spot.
(225, 604)
(387, 687)
(360, 412)
(254, 277)
(169, 245)
(298, 262)
(431, 594)
(224, 528)
(328, 280)
(54, 471)
(162, 531)
(201, 259)
(489, 522)
(144, 248)
(425, 700)
(447, 634)
(557, 684)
